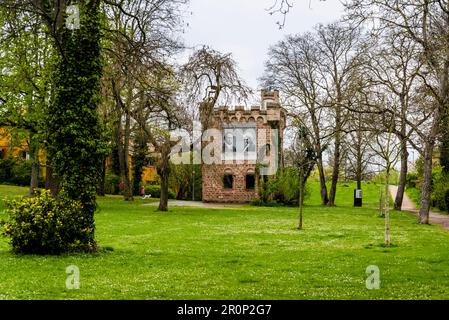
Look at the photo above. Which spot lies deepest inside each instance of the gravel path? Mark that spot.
(407, 205)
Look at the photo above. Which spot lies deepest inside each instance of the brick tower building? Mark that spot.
(251, 142)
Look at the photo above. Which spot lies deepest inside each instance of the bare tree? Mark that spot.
(293, 68)
(211, 77)
(394, 66)
(303, 159)
(339, 49)
(426, 24)
(139, 36)
(283, 7)
(358, 153)
(387, 148)
(157, 114)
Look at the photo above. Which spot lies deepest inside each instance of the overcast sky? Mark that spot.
(245, 29)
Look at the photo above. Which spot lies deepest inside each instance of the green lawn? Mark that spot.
(415, 195)
(240, 253)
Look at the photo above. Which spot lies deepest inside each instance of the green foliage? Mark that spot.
(412, 180)
(6, 169)
(16, 172)
(380, 177)
(46, 225)
(21, 173)
(440, 186)
(415, 195)
(268, 203)
(139, 160)
(112, 184)
(440, 190)
(181, 178)
(76, 144)
(281, 189)
(155, 191)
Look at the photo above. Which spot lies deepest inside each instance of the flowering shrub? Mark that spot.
(46, 225)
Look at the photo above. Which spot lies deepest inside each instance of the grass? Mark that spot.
(240, 253)
(415, 195)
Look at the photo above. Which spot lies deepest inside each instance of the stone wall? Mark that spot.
(213, 190)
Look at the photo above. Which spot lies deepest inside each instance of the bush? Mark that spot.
(412, 180)
(283, 189)
(269, 203)
(6, 169)
(17, 172)
(46, 225)
(112, 184)
(440, 190)
(155, 191)
(21, 173)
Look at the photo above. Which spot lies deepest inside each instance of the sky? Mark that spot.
(247, 30)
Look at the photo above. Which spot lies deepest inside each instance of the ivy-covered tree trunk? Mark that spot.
(75, 135)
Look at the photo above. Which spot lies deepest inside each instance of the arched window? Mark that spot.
(250, 180)
(228, 179)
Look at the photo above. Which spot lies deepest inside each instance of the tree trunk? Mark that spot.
(138, 159)
(34, 155)
(358, 177)
(123, 149)
(387, 207)
(51, 181)
(101, 184)
(381, 203)
(444, 111)
(336, 167)
(301, 195)
(323, 188)
(164, 173)
(426, 186)
(359, 158)
(402, 176)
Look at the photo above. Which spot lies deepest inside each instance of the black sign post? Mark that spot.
(357, 197)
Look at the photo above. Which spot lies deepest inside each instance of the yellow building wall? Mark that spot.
(7, 148)
(150, 174)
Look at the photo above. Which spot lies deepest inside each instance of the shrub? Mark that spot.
(281, 189)
(112, 184)
(6, 169)
(440, 190)
(155, 191)
(17, 172)
(46, 225)
(21, 173)
(412, 180)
